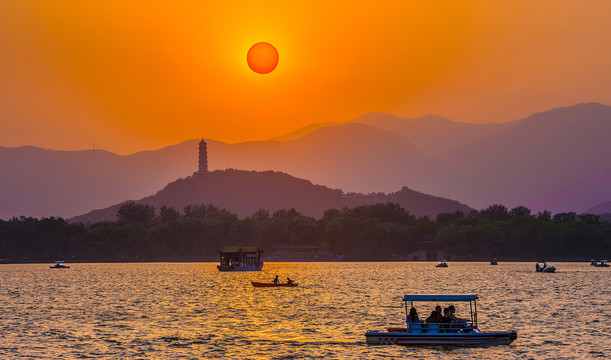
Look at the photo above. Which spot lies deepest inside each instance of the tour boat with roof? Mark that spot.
(460, 333)
(442, 263)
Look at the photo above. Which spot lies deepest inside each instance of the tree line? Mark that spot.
(380, 232)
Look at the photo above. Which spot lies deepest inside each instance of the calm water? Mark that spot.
(190, 310)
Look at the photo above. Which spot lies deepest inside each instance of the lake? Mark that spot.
(191, 310)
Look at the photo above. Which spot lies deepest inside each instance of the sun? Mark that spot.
(262, 58)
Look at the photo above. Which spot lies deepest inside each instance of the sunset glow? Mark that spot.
(139, 75)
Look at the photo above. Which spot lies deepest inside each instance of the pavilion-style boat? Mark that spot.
(238, 258)
(59, 265)
(464, 333)
(442, 263)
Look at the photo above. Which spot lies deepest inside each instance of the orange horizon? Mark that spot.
(144, 75)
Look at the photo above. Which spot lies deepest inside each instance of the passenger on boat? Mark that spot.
(433, 318)
(289, 281)
(413, 316)
(275, 281)
(537, 267)
(446, 316)
(453, 317)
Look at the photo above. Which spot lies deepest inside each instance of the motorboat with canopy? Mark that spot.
(599, 263)
(462, 333)
(59, 265)
(442, 263)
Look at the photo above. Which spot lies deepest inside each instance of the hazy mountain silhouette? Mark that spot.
(431, 134)
(602, 208)
(556, 160)
(353, 157)
(37, 182)
(303, 131)
(245, 192)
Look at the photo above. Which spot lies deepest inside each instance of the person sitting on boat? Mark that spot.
(413, 316)
(276, 280)
(434, 318)
(289, 280)
(453, 317)
(446, 316)
(537, 267)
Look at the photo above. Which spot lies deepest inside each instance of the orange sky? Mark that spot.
(134, 75)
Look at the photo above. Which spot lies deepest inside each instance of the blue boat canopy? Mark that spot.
(458, 297)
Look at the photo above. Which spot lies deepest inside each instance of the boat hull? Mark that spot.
(239, 268)
(474, 338)
(258, 284)
(550, 269)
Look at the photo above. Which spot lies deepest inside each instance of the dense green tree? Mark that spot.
(135, 212)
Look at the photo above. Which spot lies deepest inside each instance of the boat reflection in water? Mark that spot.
(238, 258)
(462, 333)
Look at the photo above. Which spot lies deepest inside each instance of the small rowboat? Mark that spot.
(259, 284)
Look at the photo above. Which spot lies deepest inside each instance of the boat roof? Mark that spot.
(447, 297)
(240, 249)
(59, 262)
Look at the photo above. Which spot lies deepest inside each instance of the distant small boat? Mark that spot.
(602, 263)
(443, 263)
(494, 262)
(544, 268)
(59, 265)
(260, 284)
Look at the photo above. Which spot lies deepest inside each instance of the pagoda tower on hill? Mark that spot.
(203, 158)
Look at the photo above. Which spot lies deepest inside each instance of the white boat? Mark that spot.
(457, 334)
(442, 263)
(544, 268)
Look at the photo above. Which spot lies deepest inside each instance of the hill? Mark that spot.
(38, 182)
(556, 160)
(244, 192)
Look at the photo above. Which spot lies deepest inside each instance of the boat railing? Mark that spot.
(441, 327)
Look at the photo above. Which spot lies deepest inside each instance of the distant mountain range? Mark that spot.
(556, 160)
(245, 192)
